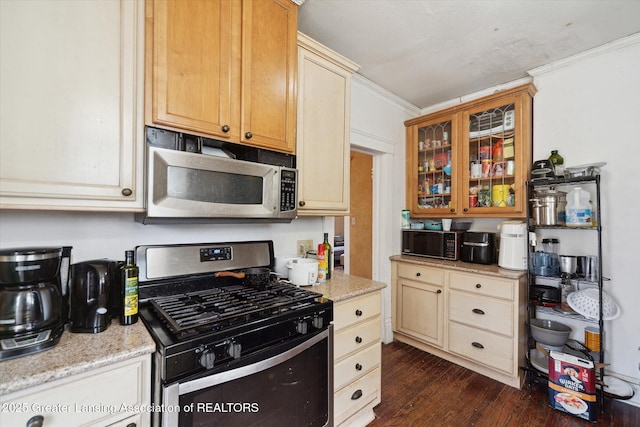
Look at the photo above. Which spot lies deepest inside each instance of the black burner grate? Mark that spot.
(218, 307)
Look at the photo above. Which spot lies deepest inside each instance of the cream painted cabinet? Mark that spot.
(115, 395)
(323, 150)
(71, 110)
(357, 359)
(224, 69)
(420, 303)
(476, 321)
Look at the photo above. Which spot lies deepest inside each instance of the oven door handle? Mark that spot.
(171, 393)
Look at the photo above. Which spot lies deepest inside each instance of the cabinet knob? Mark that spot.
(465, 210)
(358, 340)
(248, 135)
(478, 285)
(477, 311)
(358, 367)
(452, 210)
(356, 395)
(439, 291)
(127, 192)
(301, 203)
(132, 425)
(477, 345)
(226, 128)
(417, 274)
(35, 421)
(358, 313)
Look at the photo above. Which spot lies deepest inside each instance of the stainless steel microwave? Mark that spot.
(432, 244)
(194, 179)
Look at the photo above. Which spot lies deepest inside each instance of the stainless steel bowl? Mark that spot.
(549, 332)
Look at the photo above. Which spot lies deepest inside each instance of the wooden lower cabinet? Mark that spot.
(115, 395)
(476, 320)
(357, 359)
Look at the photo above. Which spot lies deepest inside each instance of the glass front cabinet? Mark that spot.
(472, 159)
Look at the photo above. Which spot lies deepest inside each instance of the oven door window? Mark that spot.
(293, 392)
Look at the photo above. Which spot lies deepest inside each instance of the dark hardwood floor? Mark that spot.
(419, 389)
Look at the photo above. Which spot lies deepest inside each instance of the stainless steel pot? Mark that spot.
(32, 307)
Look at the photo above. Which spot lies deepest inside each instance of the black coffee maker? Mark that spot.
(33, 291)
(94, 295)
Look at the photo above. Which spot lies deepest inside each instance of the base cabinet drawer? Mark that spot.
(483, 347)
(356, 366)
(356, 310)
(356, 396)
(356, 338)
(97, 398)
(491, 314)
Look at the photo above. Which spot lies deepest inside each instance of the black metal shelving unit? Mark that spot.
(574, 346)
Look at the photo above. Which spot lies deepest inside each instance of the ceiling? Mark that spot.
(427, 52)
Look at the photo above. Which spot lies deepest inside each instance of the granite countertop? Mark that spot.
(344, 286)
(491, 270)
(75, 354)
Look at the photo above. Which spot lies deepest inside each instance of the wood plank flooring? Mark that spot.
(419, 389)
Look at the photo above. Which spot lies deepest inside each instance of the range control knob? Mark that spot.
(234, 349)
(318, 322)
(207, 359)
(301, 327)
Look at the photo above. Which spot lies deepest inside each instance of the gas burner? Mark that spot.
(221, 307)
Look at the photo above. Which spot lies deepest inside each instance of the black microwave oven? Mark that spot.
(432, 244)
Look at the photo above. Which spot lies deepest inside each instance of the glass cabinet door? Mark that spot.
(435, 167)
(493, 145)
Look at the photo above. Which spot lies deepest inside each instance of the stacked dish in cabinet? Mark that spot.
(567, 306)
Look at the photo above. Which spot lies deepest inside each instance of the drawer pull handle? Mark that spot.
(35, 421)
(417, 274)
(358, 340)
(478, 285)
(477, 345)
(477, 311)
(356, 395)
(358, 313)
(358, 367)
(132, 425)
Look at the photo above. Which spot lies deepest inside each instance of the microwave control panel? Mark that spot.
(287, 190)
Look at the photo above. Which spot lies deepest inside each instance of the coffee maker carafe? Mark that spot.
(95, 291)
(32, 299)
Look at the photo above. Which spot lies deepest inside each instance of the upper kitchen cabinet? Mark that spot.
(488, 157)
(224, 69)
(323, 149)
(71, 105)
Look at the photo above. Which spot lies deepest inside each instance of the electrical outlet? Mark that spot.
(304, 246)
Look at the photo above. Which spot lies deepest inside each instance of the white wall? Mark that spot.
(108, 235)
(588, 107)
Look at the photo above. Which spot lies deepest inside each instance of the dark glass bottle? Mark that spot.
(129, 314)
(328, 254)
(558, 163)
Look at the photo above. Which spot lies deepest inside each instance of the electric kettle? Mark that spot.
(513, 245)
(94, 295)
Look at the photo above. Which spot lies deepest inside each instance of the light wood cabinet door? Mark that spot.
(71, 107)
(420, 311)
(269, 70)
(323, 149)
(472, 159)
(195, 73)
(224, 69)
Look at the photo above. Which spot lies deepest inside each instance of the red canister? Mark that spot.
(473, 200)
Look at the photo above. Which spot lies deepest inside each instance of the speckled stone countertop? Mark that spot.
(491, 270)
(74, 354)
(344, 286)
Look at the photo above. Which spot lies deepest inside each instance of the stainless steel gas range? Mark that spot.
(228, 353)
